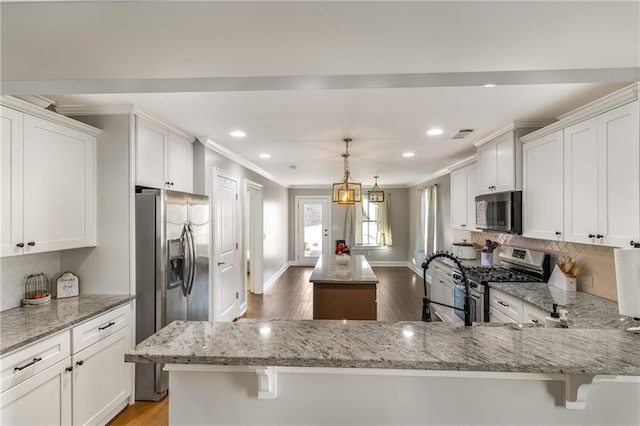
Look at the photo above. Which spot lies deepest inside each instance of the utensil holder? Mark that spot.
(560, 280)
(486, 259)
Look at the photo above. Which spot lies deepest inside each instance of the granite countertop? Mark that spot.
(584, 310)
(393, 345)
(26, 324)
(357, 271)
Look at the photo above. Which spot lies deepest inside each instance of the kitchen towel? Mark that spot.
(627, 262)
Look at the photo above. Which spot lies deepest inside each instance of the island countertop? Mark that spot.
(393, 345)
(26, 324)
(357, 271)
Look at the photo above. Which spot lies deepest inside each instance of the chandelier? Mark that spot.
(376, 195)
(347, 191)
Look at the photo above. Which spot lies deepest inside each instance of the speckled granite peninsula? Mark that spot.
(393, 345)
(356, 271)
(26, 324)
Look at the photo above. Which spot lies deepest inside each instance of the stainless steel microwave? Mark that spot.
(500, 212)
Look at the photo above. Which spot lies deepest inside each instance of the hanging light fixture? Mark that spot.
(347, 191)
(376, 195)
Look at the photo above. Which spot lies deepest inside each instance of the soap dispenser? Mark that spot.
(553, 320)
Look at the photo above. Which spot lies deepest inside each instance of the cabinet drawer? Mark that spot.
(532, 315)
(498, 317)
(18, 366)
(507, 305)
(98, 328)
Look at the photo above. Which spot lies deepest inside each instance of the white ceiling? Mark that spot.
(299, 77)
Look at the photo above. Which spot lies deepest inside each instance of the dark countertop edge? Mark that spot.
(386, 365)
(344, 282)
(67, 325)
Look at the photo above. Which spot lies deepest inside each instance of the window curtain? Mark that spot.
(428, 223)
(350, 225)
(384, 237)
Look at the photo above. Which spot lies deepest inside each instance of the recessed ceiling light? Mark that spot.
(434, 132)
(238, 134)
(489, 85)
(265, 155)
(409, 154)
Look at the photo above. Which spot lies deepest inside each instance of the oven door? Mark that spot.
(475, 303)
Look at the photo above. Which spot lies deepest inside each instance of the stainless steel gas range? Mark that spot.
(516, 265)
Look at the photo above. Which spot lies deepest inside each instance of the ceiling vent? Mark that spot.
(462, 133)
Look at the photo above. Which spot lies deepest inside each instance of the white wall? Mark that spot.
(13, 271)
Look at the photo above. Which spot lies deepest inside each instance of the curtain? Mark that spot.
(384, 237)
(349, 225)
(428, 227)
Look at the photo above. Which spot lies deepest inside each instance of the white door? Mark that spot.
(619, 169)
(227, 284)
(487, 168)
(11, 186)
(179, 164)
(312, 229)
(505, 163)
(151, 142)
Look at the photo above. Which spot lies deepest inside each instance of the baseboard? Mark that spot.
(415, 268)
(271, 281)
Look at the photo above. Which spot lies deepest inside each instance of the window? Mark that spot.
(372, 224)
(369, 224)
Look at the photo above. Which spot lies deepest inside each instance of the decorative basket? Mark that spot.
(37, 290)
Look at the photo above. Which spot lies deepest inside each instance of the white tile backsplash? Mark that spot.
(13, 271)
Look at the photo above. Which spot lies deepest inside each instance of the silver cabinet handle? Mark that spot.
(221, 263)
(502, 303)
(535, 321)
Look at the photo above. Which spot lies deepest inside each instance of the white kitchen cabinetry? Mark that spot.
(505, 308)
(75, 377)
(48, 183)
(463, 193)
(163, 158)
(531, 315)
(543, 191)
(602, 178)
(497, 164)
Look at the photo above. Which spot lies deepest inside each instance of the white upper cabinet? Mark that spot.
(463, 193)
(602, 178)
(163, 159)
(543, 191)
(48, 184)
(497, 164)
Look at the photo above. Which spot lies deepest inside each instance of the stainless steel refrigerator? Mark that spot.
(172, 271)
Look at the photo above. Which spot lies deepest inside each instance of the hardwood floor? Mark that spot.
(291, 297)
(399, 296)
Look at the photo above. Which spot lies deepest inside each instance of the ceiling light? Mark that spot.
(434, 132)
(376, 195)
(489, 85)
(265, 155)
(409, 154)
(238, 134)
(347, 191)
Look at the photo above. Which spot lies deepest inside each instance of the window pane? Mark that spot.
(312, 230)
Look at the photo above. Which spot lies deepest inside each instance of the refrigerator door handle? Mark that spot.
(194, 257)
(186, 244)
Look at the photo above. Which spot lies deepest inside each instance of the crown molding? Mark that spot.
(41, 101)
(208, 143)
(76, 110)
(32, 109)
(464, 163)
(597, 107)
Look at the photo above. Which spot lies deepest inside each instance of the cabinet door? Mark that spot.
(151, 142)
(472, 191)
(59, 187)
(581, 181)
(11, 161)
(487, 168)
(505, 163)
(619, 180)
(44, 399)
(101, 379)
(459, 200)
(543, 194)
(179, 164)
(531, 315)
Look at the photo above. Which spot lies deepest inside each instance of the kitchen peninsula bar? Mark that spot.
(344, 290)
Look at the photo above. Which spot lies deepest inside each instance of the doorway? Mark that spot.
(312, 228)
(253, 237)
(229, 296)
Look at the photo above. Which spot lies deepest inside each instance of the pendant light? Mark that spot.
(347, 191)
(376, 195)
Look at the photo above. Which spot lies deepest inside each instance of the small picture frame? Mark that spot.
(67, 285)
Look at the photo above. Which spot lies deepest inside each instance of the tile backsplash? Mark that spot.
(598, 275)
(13, 271)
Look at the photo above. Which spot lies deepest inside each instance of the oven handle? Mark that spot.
(472, 291)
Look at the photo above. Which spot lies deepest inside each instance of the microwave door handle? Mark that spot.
(186, 275)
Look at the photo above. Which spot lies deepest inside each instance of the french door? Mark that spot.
(312, 229)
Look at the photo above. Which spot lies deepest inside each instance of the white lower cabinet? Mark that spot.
(507, 309)
(532, 315)
(46, 384)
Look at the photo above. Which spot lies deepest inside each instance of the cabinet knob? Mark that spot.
(634, 244)
(591, 236)
(168, 183)
(80, 362)
(599, 236)
(463, 225)
(558, 233)
(31, 243)
(22, 245)
(69, 369)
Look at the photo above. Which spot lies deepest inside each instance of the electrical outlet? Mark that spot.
(586, 282)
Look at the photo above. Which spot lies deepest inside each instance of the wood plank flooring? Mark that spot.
(291, 297)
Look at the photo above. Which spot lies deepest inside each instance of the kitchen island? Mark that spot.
(344, 290)
(367, 372)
